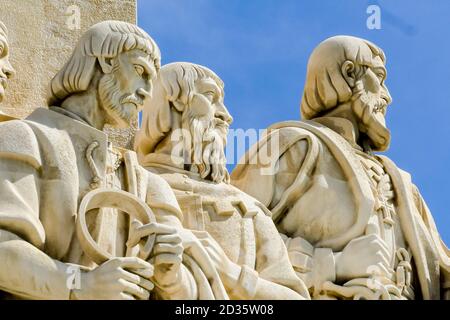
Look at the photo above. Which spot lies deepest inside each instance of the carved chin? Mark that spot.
(379, 135)
(372, 122)
(124, 114)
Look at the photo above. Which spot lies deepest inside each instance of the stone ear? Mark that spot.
(348, 72)
(106, 64)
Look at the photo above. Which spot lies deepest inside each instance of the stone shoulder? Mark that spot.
(19, 142)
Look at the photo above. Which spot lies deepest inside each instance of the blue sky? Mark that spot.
(260, 49)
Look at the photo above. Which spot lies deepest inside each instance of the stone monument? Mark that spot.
(355, 225)
(64, 188)
(312, 211)
(182, 140)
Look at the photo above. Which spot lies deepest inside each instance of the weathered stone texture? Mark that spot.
(41, 41)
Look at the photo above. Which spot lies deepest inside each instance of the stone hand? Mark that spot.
(363, 257)
(167, 252)
(116, 279)
(227, 269)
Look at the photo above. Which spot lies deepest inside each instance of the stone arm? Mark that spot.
(274, 277)
(271, 278)
(161, 199)
(314, 266)
(183, 286)
(26, 271)
(321, 269)
(441, 248)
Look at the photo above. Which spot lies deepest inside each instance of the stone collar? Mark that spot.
(341, 126)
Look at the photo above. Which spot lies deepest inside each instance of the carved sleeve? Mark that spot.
(161, 196)
(314, 266)
(161, 199)
(273, 265)
(442, 249)
(25, 270)
(277, 177)
(19, 201)
(288, 168)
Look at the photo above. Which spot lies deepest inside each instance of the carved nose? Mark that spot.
(143, 94)
(386, 96)
(9, 71)
(223, 114)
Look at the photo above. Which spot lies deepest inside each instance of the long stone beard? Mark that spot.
(370, 111)
(204, 142)
(119, 114)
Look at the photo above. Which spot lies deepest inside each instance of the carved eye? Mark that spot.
(380, 76)
(139, 69)
(210, 95)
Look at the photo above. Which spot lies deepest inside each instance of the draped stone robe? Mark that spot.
(240, 224)
(48, 162)
(324, 191)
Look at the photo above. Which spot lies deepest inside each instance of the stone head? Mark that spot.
(343, 70)
(188, 102)
(117, 59)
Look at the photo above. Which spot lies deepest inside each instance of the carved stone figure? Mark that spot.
(59, 157)
(355, 225)
(6, 70)
(182, 139)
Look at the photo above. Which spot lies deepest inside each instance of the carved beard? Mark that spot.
(370, 110)
(121, 109)
(204, 142)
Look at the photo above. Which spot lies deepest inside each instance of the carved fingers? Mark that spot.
(223, 264)
(139, 231)
(364, 257)
(136, 279)
(167, 252)
(117, 279)
(133, 290)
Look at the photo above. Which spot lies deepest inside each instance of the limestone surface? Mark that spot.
(42, 34)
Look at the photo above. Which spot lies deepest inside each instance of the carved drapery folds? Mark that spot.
(81, 218)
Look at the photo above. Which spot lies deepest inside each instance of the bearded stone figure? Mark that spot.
(182, 139)
(6, 70)
(64, 189)
(355, 225)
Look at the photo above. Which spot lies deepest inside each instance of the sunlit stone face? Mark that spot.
(124, 91)
(371, 101)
